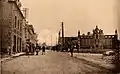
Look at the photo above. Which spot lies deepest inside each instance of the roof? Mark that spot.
(14, 1)
(30, 27)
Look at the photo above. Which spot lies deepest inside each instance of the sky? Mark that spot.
(46, 17)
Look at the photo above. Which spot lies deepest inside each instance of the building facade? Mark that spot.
(96, 40)
(12, 21)
(30, 34)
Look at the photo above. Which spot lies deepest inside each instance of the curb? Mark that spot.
(17, 55)
(11, 57)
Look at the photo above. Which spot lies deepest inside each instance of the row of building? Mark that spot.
(14, 28)
(95, 41)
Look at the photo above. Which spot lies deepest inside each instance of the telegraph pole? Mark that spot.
(51, 40)
(56, 40)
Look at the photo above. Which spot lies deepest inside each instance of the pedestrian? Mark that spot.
(71, 50)
(30, 47)
(37, 49)
(43, 50)
(77, 47)
(33, 49)
(9, 50)
(27, 49)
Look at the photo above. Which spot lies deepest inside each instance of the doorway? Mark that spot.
(14, 46)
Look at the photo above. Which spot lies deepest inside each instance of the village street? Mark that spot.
(51, 63)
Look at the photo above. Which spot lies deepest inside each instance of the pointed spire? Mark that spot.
(88, 33)
(96, 26)
(78, 33)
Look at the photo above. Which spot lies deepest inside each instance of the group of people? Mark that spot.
(38, 48)
(31, 49)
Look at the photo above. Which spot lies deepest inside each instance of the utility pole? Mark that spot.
(51, 40)
(56, 40)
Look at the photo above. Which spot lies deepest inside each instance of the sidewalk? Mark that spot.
(12, 56)
(96, 59)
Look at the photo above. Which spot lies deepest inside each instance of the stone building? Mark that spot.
(30, 34)
(96, 40)
(11, 23)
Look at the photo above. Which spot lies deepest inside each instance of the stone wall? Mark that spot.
(9, 30)
(6, 27)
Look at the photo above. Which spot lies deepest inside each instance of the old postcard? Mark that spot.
(60, 36)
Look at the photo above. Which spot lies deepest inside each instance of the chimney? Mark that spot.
(62, 33)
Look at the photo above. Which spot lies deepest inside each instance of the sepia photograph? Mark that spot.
(59, 36)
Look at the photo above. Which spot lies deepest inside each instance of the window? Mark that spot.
(18, 24)
(15, 21)
(17, 44)
(105, 36)
(109, 36)
(21, 25)
(112, 36)
(97, 37)
(14, 46)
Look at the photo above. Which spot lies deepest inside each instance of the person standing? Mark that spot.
(37, 49)
(9, 50)
(27, 49)
(33, 49)
(43, 50)
(71, 50)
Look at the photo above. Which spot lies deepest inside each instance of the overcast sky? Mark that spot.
(46, 16)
